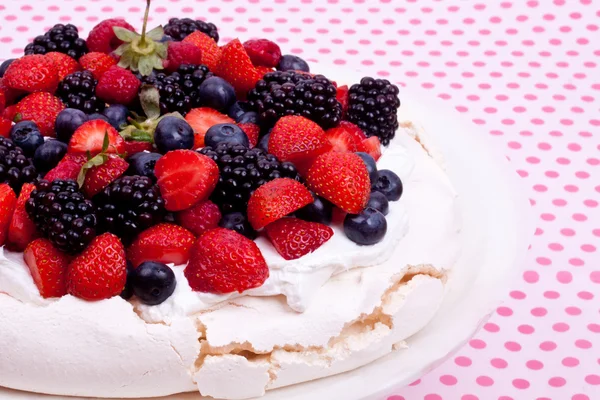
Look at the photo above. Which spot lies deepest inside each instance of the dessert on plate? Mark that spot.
(180, 215)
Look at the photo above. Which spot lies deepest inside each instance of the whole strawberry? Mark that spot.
(200, 218)
(294, 238)
(97, 63)
(33, 73)
(100, 271)
(64, 64)
(102, 37)
(8, 201)
(179, 53)
(166, 243)
(223, 261)
(210, 51)
(41, 108)
(341, 178)
(236, 68)
(48, 267)
(118, 86)
(21, 230)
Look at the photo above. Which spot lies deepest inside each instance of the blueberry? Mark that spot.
(238, 222)
(225, 133)
(117, 115)
(263, 144)
(320, 210)
(366, 228)
(371, 165)
(379, 202)
(4, 66)
(143, 164)
(238, 109)
(290, 62)
(153, 282)
(49, 154)
(27, 136)
(96, 116)
(251, 117)
(173, 133)
(127, 292)
(67, 122)
(389, 184)
(216, 93)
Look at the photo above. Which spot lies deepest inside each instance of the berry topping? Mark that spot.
(179, 29)
(22, 229)
(143, 164)
(97, 63)
(263, 52)
(367, 228)
(173, 133)
(48, 267)
(237, 221)
(64, 64)
(371, 146)
(41, 108)
(15, 168)
(102, 37)
(8, 201)
(100, 271)
(289, 62)
(211, 53)
(89, 137)
(200, 218)
(78, 91)
(294, 238)
(275, 200)
(60, 38)
(27, 136)
(201, 119)
(225, 133)
(34, 73)
(67, 122)
(101, 171)
(223, 261)
(371, 165)
(389, 184)
(217, 93)
(320, 210)
(185, 178)
(118, 85)
(379, 202)
(166, 243)
(342, 178)
(236, 68)
(153, 282)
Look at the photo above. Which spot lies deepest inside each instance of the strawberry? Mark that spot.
(345, 137)
(8, 201)
(276, 199)
(342, 178)
(342, 96)
(201, 119)
(298, 140)
(100, 271)
(48, 267)
(252, 131)
(90, 137)
(263, 52)
(200, 218)
(2, 100)
(10, 95)
(261, 71)
(132, 147)
(166, 243)
(179, 53)
(10, 112)
(21, 230)
(64, 64)
(118, 85)
(223, 261)
(5, 127)
(294, 238)
(185, 178)
(371, 146)
(97, 177)
(236, 68)
(102, 38)
(33, 73)
(68, 168)
(97, 63)
(41, 108)
(208, 47)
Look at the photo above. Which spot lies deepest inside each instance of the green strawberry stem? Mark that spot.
(143, 39)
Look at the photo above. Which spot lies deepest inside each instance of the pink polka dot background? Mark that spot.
(526, 74)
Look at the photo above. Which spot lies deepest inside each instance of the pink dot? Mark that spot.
(570, 362)
(498, 363)
(580, 397)
(469, 397)
(544, 260)
(557, 381)
(595, 276)
(520, 383)
(588, 248)
(432, 396)
(526, 329)
(548, 346)
(462, 361)
(534, 365)
(564, 277)
(505, 311)
(517, 294)
(415, 383)
(531, 276)
(567, 232)
(560, 327)
(551, 294)
(477, 344)
(583, 344)
(576, 262)
(448, 380)
(512, 346)
(594, 328)
(491, 327)
(584, 295)
(484, 381)
(555, 247)
(593, 379)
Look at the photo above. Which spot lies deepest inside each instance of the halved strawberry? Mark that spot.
(5, 127)
(236, 68)
(210, 50)
(345, 137)
(90, 137)
(100, 271)
(48, 267)
(8, 201)
(200, 218)
(223, 261)
(68, 168)
(166, 243)
(201, 119)
(185, 177)
(371, 146)
(21, 230)
(132, 147)
(97, 63)
(98, 174)
(342, 96)
(342, 178)
(294, 238)
(252, 131)
(276, 199)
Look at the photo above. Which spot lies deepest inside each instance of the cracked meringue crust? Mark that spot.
(238, 347)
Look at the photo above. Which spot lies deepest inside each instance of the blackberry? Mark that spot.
(373, 106)
(179, 90)
(241, 172)
(178, 29)
(63, 214)
(281, 93)
(78, 90)
(62, 38)
(15, 168)
(129, 205)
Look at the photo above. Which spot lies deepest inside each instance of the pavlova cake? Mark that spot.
(178, 216)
